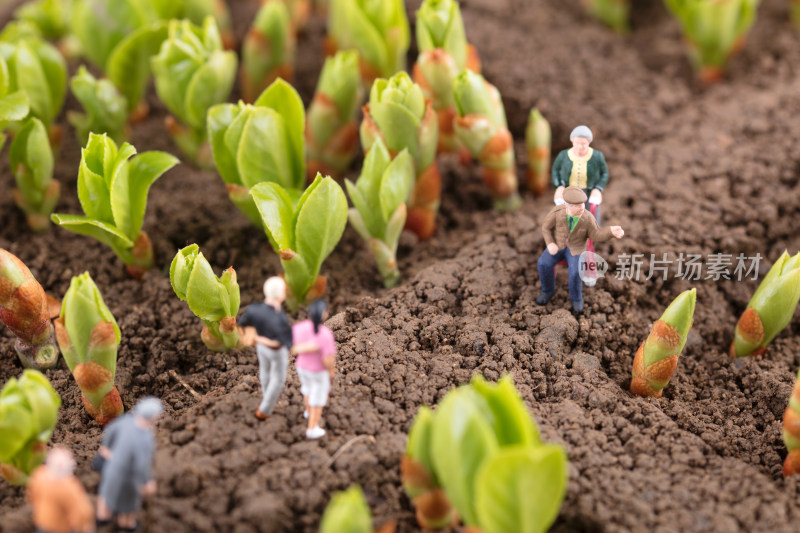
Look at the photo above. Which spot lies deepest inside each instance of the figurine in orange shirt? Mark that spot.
(58, 500)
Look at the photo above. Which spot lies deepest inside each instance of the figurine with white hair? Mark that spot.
(58, 500)
(128, 448)
(273, 341)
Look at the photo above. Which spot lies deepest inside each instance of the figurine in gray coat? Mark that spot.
(128, 447)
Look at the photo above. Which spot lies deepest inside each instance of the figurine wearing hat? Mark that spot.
(565, 230)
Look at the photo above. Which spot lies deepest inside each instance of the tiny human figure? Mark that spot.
(315, 348)
(273, 341)
(584, 167)
(128, 447)
(565, 230)
(59, 502)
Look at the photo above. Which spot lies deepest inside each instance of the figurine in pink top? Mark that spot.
(315, 347)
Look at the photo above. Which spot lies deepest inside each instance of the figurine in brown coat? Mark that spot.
(565, 230)
(58, 500)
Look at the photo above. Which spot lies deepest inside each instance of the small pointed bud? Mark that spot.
(538, 140)
(657, 357)
(791, 431)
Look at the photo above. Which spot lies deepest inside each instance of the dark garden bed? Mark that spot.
(693, 170)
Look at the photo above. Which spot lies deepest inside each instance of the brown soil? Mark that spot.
(693, 170)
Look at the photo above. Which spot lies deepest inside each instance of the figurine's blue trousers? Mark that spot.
(547, 276)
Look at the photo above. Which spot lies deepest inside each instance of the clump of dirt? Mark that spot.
(693, 170)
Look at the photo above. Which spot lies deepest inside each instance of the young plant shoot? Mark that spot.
(657, 357)
(612, 13)
(443, 54)
(106, 109)
(347, 511)
(198, 10)
(379, 211)
(252, 144)
(770, 309)
(113, 193)
(50, 17)
(31, 160)
(791, 431)
(213, 300)
(28, 413)
(13, 105)
(378, 31)
(332, 128)
(193, 73)
(538, 143)
(483, 448)
(268, 50)
(37, 69)
(714, 31)
(302, 231)
(27, 310)
(89, 338)
(398, 114)
(481, 127)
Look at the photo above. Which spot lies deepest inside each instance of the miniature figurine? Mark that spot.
(565, 230)
(128, 447)
(584, 167)
(273, 342)
(315, 348)
(58, 500)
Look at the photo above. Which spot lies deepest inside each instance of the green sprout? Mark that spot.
(27, 310)
(193, 73)
(538, 142)
(13, 105)
(791, 431)
(379, 211)
(31, 160)
(89, 338)
(657, 357)
(399, 115)
(50, 17)
(347, 512)
(113, 195)
(260, 142)
(714, 30)
(483, 449)
(303, 231)
(482, 128)
(268, 50)
(770, 309)
(378, 31)
(443, 54)
(214, 300)
(106, 109)
(37, 69)
(28, 413)
(332, 126)
(198, 10)
(612, 13)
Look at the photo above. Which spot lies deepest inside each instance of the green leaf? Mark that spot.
(347, 512)
(219, 119)
(510, 418)
(420, 439)
(145, 169)
(14, 107)
(16, 426)
(106, 108)
(398, 125)
(520, 489)
(369, 217)
(181, 268)
(210, 85)
(263, 152)
(55, 72)
(462, 440)
(396, 183)
(43, 402)
(351, 29)
(31, 160)
(99, 230)
(320, 223)
(93, 188)
(277, 214)
(128, 66)
(81, 310)
(283, 98)
(207, 297)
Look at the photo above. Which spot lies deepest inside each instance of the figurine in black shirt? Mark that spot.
(273, 342)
